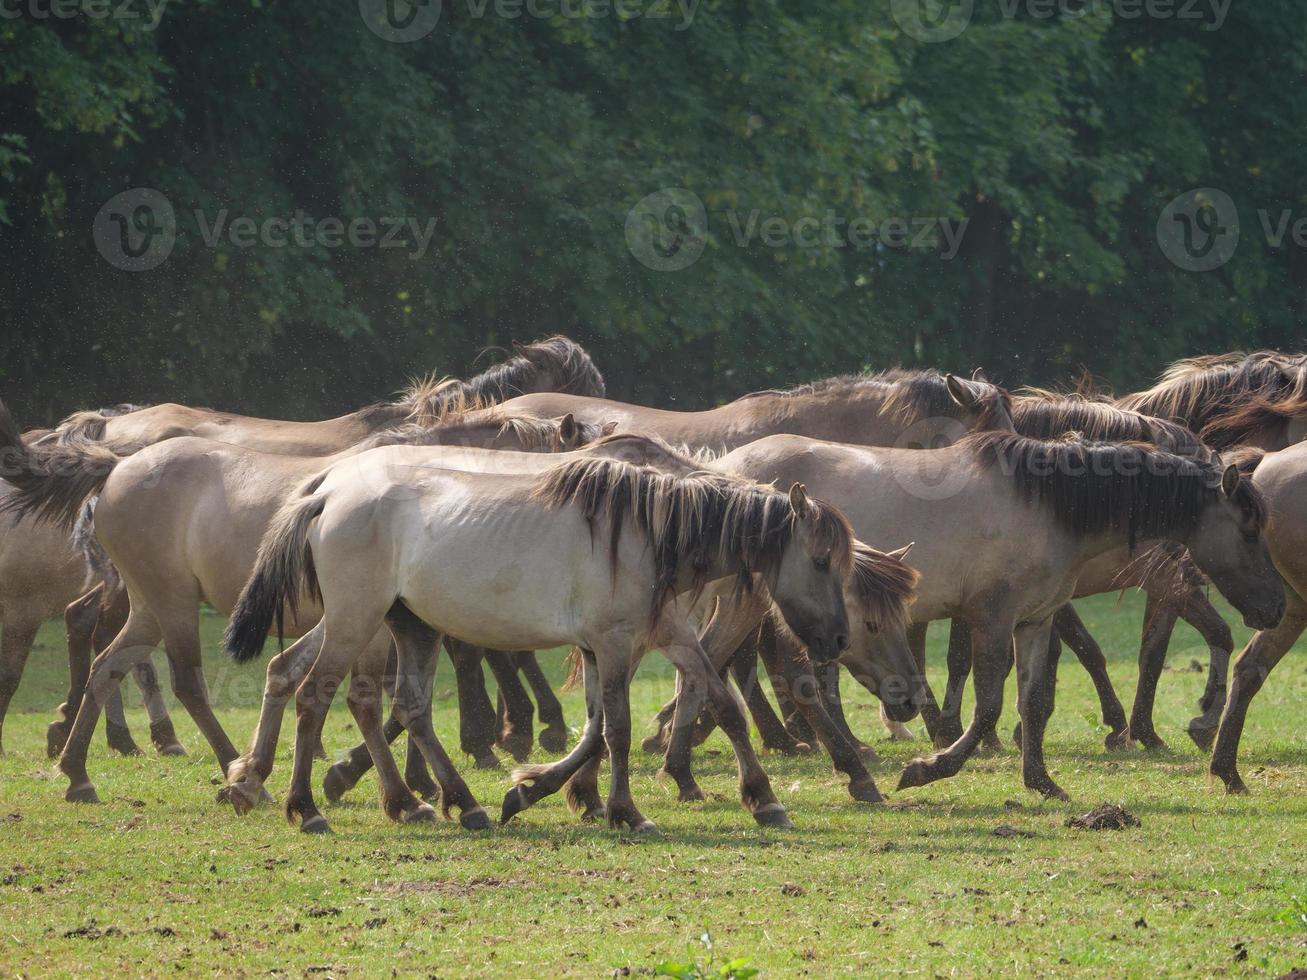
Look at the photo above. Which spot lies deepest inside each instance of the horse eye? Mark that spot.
(871, 627)
(822, 563)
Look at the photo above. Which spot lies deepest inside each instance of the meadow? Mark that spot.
(162, 879)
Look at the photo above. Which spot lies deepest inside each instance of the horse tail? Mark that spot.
(575, 670)
(283, 571)
(52, 482)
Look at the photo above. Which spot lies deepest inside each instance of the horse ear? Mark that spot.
(901, 553)
(1230, 480)
(979, 375)
(608, 428)
(799, 500)
(567, 428)
(1150, 431)
(960, 392)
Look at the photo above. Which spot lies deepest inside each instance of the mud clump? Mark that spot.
(1106, 816)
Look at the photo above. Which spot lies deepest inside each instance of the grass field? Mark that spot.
(161, 879)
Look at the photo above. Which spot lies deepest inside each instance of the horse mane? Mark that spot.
(565, 363)
(1199, 391)
(883, 586)
(688, 521)
(683, 456)
(1252, 415)
(534, 434)
(1041, 414)
(908, 394)
(1091, 487)
(89, 425)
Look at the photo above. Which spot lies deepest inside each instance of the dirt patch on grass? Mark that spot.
(455, 889)
(1105, 816)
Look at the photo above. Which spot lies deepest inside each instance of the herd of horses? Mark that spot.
(521, 510)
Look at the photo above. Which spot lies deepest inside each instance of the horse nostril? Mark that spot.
(841, 641)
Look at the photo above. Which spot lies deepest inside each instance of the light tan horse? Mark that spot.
(182, 520)
(1282, 479)
(1003, 526)
(553, 364)
(595, 553)
(894, 408)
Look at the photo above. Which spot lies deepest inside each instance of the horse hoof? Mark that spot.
(518, 746)
(336, 783)
(554, 740)
(474, 819)
(319, 751)
(867, 754)
(515, 802)
(643, 826)
(1048, 789)
(172, 749)
(916, 773)
(865, 791)
(654, 744)
(487, 760)
(316, 824)
(120, 740)
(1201, 735)
(690, 794)
(56, 735)
(593, 814)
(82, 793)
(1118, 741)
(423, 813)
(773, 815)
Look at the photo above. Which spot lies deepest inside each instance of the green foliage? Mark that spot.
(1058, 140)
(1295, 912)
(709, 969)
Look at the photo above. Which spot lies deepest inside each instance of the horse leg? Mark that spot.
(518, 715)
(534, 782)
(1037, 680)
(1199, 612)
(991, 655)
(959, 666)
(775, 736)
(80, 618)
(476, 715)
(418, 646)
(790, 670)
(1251, 668)
(931, 714)
(181, 641)
(1070, 628)
(247, 774)
(1159, 621)
(15, 645)
(615, 661)
(700, 678)
(132, 644)
(828, 680)
(553, 736)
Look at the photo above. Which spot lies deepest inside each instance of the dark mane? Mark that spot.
(554, 364)
(884, 587)
(908, 394)
(1253, 415)
(680, 456)
(688, 522)
(1040, 414)
(534, 434)
(1201, 391)
(1092, 487)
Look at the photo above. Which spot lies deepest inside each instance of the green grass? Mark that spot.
(160, 878)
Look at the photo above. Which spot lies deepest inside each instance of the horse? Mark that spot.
(556, 363)
(1282, 479)
(509, 562)
(1003, 525)
(891, 408)
(181, 521)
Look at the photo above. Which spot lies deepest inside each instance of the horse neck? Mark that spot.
(856, 415)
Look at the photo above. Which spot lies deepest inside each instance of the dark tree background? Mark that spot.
(1060, 139)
